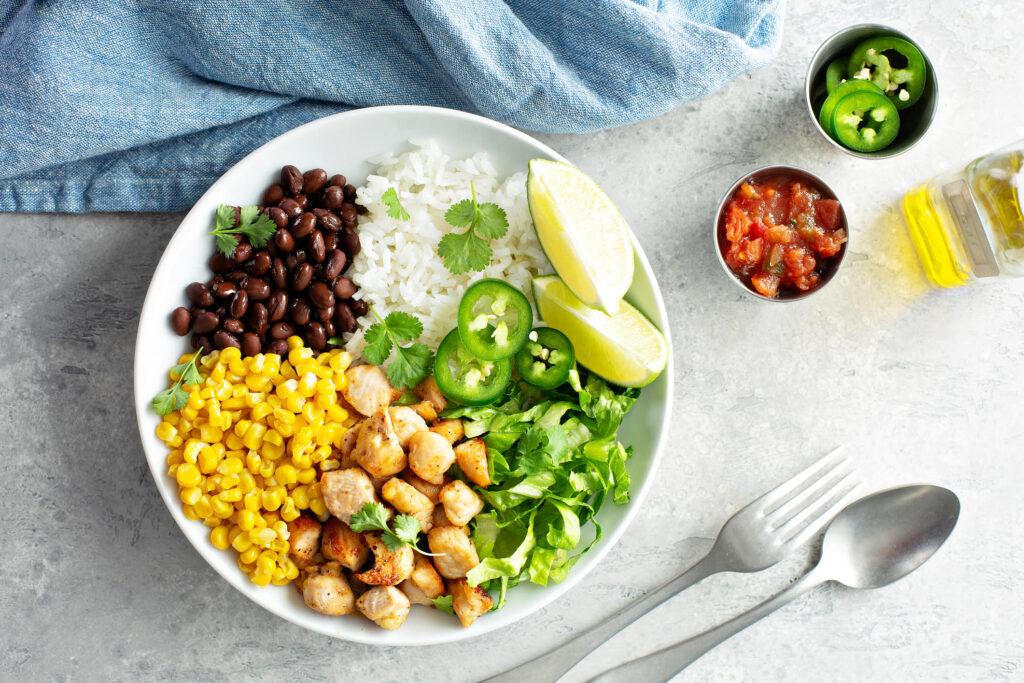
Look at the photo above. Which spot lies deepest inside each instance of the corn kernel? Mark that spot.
(190, 495)
(294, 402)
(302, 460)
(271, 500)
(209, 458)
(274, 437)
(165, 431)
(263, 537)
(254, 436)
(279, 546)
(246, 519)
(288, 510)
(210, 434)
(337, 414)
(253, 500)
(249, 556)
(190, 512)
(222, 509)
(188, 474)
(316, 505)
(232, 495)
(241, 543)
(219, 537)
(231, 466)
(271, 452)
(203, 507)
(260, 579)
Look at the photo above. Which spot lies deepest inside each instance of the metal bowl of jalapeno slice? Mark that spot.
(871, 91)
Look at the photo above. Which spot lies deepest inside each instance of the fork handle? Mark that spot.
(553, 664)
(666, 663)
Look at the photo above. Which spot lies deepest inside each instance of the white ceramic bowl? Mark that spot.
(341, 144)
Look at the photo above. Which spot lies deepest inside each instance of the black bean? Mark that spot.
(277, 306)
(250, 344)
(359, 307)
(257, 288)
(333, 198)
(284, 240)
(344, 319)
(223, 340)
(258, 318)
(313, 180)
(332, 269)
(330, 242)
(233, 325)
(301, 277)
(299, 312)
(200, 341)
(205, 322)
(348, 213)
(290, 207)
(278, 215)
(260, 263)
(325, 314)
(337, 180)
(273, 195)
(350, 192)
(350, 242)
(302, 200)
(281, 330)
(315, 336)
(279, 274)
(199, 294)
(278, 346)
(219, 263)
(291, 180)
(225, 290)
(328, 327)
(303, 225)
(238, 277)
(181, 320)
(240, 304)
(321, 295)
(327, 220)
(242, 252)
(316, 246)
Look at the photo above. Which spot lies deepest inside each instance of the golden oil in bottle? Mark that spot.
(969, 226)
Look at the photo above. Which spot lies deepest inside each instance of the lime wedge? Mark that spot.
(583, 234)
(624, 348)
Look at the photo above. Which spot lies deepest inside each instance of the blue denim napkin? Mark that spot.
(139, 105)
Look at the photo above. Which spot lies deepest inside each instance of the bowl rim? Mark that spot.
(765, 170)
(886, 153)
(398, 639)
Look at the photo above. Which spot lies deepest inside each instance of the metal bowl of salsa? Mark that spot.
(780, 233)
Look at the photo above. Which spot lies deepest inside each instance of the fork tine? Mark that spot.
(794, 483)
(811, 493)
(817, 518)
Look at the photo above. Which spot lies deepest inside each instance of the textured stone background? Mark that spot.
(98, 583)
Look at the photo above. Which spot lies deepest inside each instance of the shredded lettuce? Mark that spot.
(554, 459)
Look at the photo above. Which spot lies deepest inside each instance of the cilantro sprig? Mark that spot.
(395, 208)
(467, 251)
(175, 397)
(410, 363)
(252, 223)
(374, 517)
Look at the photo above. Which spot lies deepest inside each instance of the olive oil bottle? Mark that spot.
(969, 226)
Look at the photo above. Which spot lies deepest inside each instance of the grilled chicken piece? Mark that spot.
(346, 491)
(430, 456)
(408, 500)
(367, 389)
(423, 486)
(424, 584)
(460, 502)
(456, 554)
(344, 546)
(452, 430)
(390, 567)
(348, 442)
(472, 459)
(378, 450)
(469, 602)
(327, 591)
(406, 422)
(425, 409)
(439, 518)
(303, 540)
(430, 392)
(385, 605)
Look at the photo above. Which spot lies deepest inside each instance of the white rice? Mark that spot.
(399, 269)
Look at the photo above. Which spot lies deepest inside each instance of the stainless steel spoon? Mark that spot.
(873, 542)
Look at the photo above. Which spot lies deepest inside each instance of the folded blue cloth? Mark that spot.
(139, 105)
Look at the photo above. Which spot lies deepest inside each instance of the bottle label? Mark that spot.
(972, 232)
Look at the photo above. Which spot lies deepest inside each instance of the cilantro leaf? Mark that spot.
(253, 223)
(169, 400)
(378, 343)
(395, 208)
(444, 604)
(464, 252)
(491, 221)
(226, 244)
(224, 218)
(410, 365)
(372, 517)
(407, 530)
(403, 326)
(460, 214)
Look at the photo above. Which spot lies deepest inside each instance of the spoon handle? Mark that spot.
(664, 664)
(553, 664)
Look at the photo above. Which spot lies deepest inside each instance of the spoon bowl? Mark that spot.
(883, 537)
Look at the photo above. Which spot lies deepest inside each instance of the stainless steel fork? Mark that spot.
(755, 538)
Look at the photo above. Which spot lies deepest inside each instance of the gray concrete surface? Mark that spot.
(96, 582)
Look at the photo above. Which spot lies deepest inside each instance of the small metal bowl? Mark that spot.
(721, 244)
(914, 121)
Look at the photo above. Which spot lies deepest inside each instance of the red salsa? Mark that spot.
(780, 234)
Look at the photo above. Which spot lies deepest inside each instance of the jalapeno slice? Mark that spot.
(494, 319)
(467, 379)
(835, 74)
(893, 64)
(546, 359)
(841, 91)
(865, 121)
